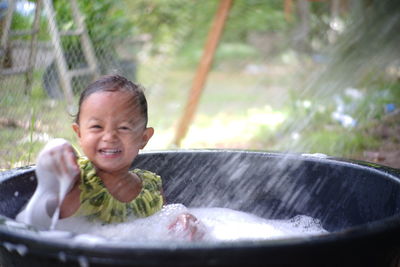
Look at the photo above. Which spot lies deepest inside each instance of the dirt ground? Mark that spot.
(388, 155)
(388, 130)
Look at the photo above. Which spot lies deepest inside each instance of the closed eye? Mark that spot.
(124, 128)
(95, 127)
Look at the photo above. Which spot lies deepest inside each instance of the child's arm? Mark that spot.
(56, 172)
(57, 168)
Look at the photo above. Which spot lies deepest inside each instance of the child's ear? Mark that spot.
(148, 133)
(76, 128)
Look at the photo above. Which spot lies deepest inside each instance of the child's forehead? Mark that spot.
(124, 101)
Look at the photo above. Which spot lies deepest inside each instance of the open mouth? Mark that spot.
(110, 152)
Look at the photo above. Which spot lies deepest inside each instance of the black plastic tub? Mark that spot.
(358, 202)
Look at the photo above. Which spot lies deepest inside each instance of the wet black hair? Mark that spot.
(115, 83)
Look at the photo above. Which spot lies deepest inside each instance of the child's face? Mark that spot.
(111, 130)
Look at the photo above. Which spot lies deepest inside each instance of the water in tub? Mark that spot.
(214, 224)
(218, 224)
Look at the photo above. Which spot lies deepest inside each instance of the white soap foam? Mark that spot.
(219, 224)
(231, 225)
(152, 228)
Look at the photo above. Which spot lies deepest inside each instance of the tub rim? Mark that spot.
(375, 229)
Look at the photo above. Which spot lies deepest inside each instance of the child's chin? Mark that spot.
(109, 166)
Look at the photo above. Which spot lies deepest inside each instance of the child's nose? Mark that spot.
(110, 135)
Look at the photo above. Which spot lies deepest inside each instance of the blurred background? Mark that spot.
(287, 75)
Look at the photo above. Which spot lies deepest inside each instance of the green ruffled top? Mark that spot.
(98, 204)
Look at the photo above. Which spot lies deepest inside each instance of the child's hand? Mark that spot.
(57, 160)
(187, 226)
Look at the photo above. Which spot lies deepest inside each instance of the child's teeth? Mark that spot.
(110, 151)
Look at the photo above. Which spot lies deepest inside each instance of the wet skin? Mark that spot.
(111, 132)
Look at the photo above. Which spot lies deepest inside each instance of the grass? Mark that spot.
(27, 123)
(229, 97)
(267, 111)
(262, 107)
(311, 126)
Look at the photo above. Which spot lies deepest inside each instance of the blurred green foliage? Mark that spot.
(311, 127)
(178, 29)
(107, 21)
(189, 21)
(24, 21)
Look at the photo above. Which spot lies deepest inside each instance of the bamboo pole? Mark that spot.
(203, 69)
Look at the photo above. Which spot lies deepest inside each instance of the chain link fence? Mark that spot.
(32, 98)
(33, 102)
(264, 58)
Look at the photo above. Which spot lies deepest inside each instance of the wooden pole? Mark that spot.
(85, 40)
(203, 69)
(62, 68)
(33, 48)
(288, 9)
(5, 53)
